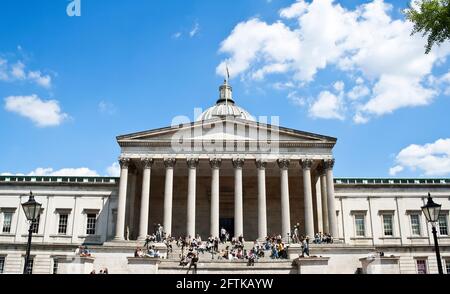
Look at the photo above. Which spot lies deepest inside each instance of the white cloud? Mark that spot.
(365, 41)
(65, 172)
(295, 10)
(107, 108)
(113, 170)
(194, 30)
(177, 35)
(432, 159)
(395, 170)
(327, 106)
(358, 91)
(40, 79)
(44, 113)
(18, 71)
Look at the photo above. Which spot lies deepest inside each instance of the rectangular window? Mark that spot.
(360, 225)
(35, 225)
(55, 266)
(443, 225)
(415, 224)
(7, 220)
(30, 266)
(91, 221)
(447, 266)
(421, 266)
(2, 264)
(388, 224)
(62, 226)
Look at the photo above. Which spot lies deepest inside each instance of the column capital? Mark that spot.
(321, 170)
(261, 164)
(238, 163)
(192, 162)
(215, 163)
(170, 162)
(328, 164)
(283, 163)
(147, 162)
(124, 163)
(306, 163)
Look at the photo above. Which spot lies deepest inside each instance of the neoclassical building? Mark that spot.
(225, 170)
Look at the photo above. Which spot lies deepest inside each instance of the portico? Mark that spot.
(263, 177)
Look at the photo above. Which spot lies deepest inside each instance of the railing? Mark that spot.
(49, 179)
(362, 181)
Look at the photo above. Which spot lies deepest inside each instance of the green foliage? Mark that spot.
(431, 18)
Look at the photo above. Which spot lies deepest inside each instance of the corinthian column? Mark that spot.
(332, 220)
(145, 198)
(285, 209)
(308, 198)
(192, 179)
(262, 209)
(238, 198)
(323, 192)
(214, 223)
(121, 205)
(168, 195)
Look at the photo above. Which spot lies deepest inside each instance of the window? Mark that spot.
(91, 220)
(30, 266)
(421, 266)
(7, 220)
(388, 224)
(62, 226)
(2, 264)
(360, 227)
(415, 224)
(55, 266)
(443, 225)
(35, 225)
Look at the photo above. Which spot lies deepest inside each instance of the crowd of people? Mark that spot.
(82, 251)
(151, 251)
(103, 271)
(191, 247)
(321, 238)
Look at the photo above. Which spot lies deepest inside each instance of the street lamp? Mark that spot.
(431, 212)
(32, 210)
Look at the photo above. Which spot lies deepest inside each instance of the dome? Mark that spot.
(225, 106)
(224, 110)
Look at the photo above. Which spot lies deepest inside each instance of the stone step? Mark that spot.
(230, 267)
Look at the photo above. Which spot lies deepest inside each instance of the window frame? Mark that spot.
(425, 261)
(89, 226)
(445, 215)
(31, 260)
(11, 214)
(36, 225)
(2, 264)
(60, 215)
(383, 227)
(419, 224)
(363, 217)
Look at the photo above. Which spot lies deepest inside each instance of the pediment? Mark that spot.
(225, 129)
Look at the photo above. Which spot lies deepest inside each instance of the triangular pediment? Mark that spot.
(225, 129)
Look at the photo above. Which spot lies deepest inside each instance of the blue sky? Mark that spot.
(348, 69)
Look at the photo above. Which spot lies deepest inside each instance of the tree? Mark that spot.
(430, 18)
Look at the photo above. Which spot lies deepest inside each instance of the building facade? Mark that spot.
(225, 170)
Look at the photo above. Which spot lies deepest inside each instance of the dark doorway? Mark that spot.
(227, 224)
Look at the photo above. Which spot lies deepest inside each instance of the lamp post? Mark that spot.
(431, 211)
(32, 209)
